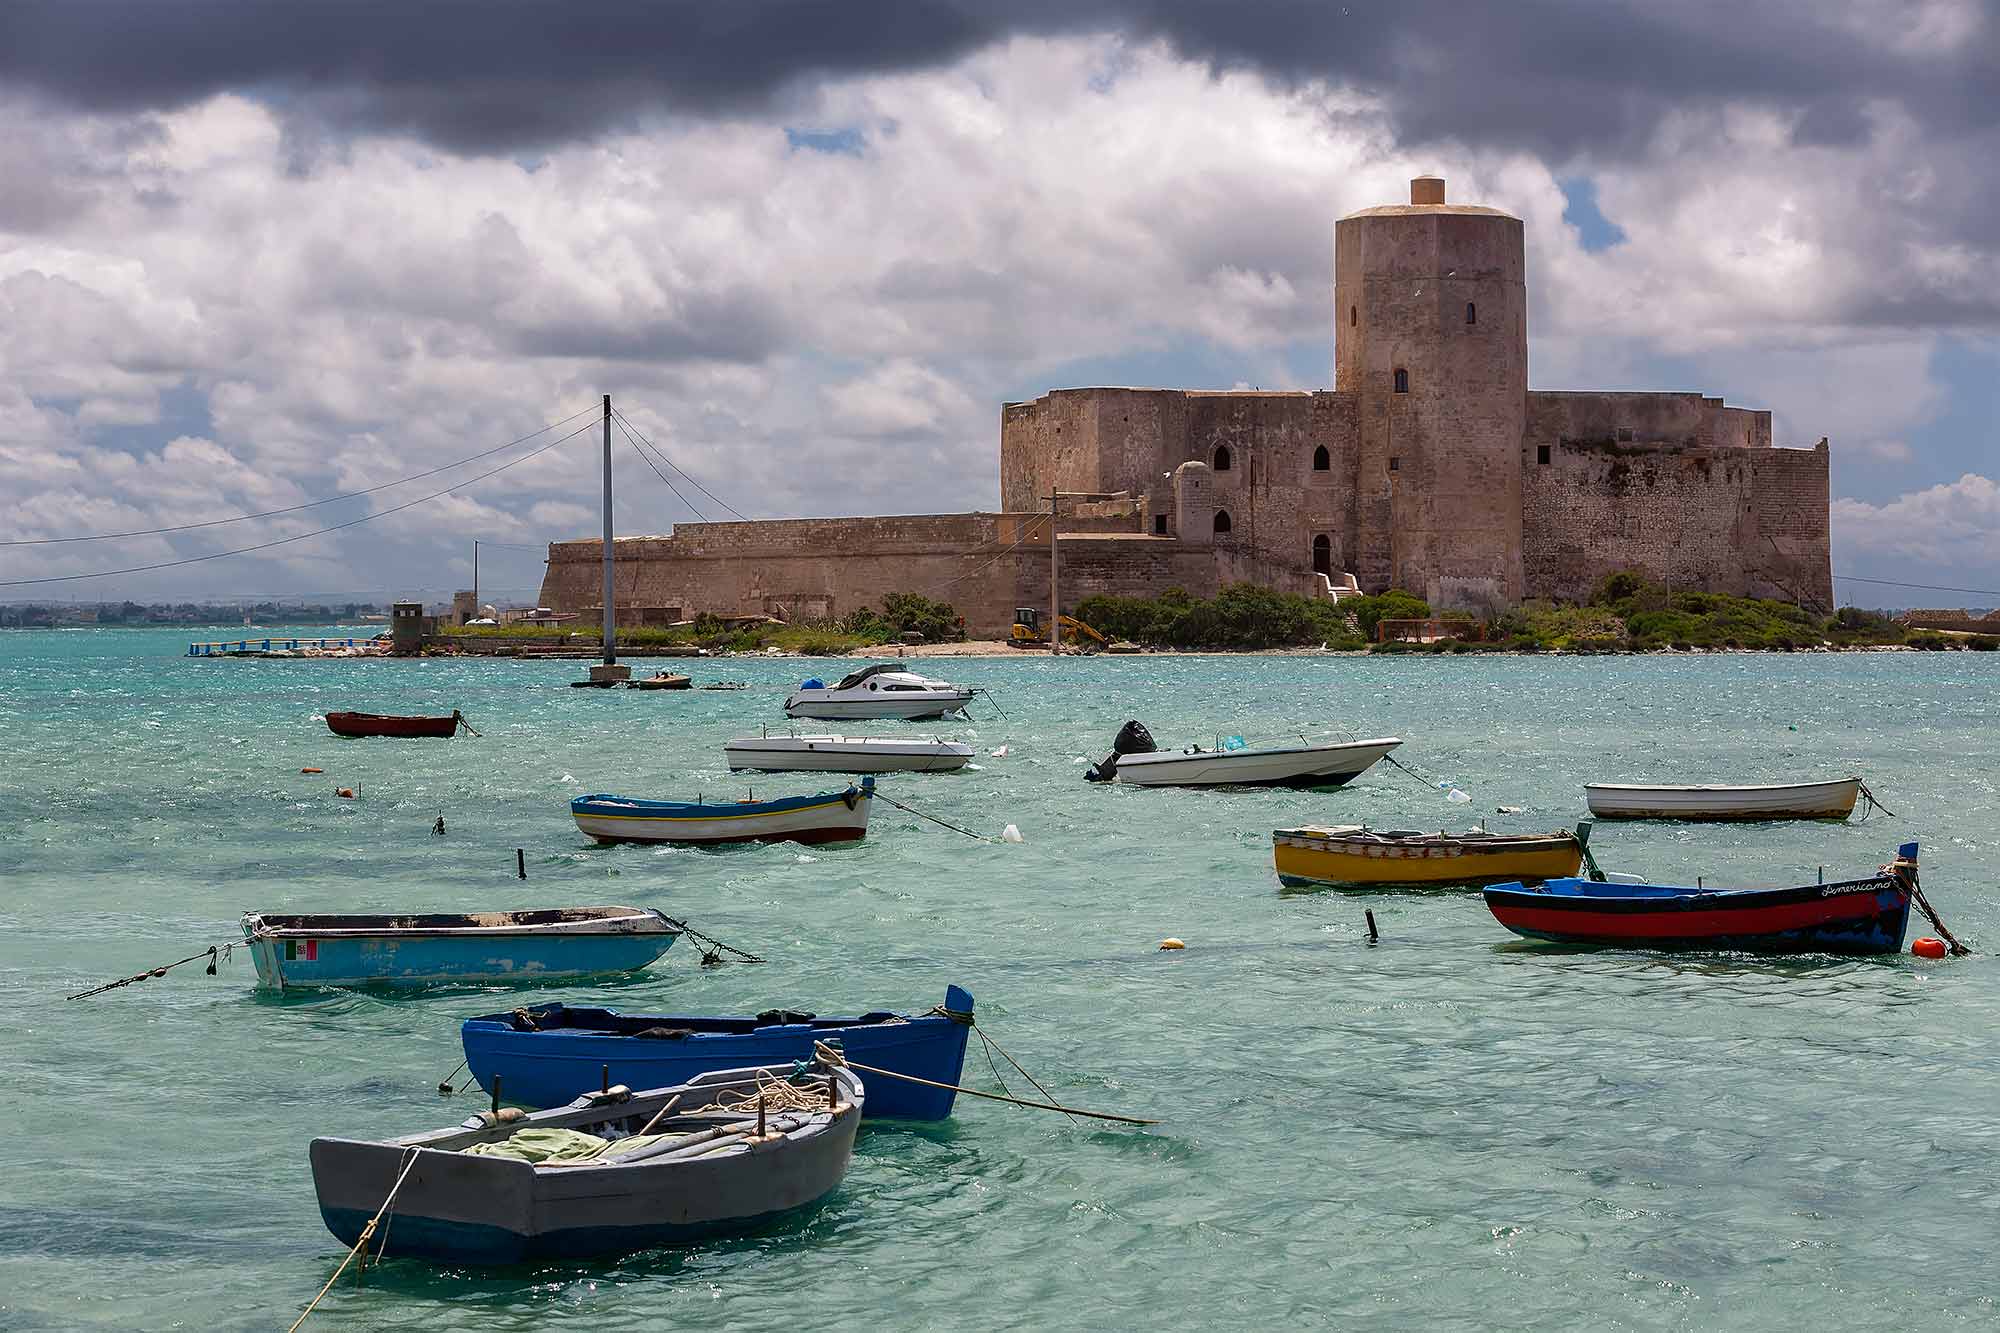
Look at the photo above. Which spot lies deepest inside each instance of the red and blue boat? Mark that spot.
(550, 1054)
(1856, 916)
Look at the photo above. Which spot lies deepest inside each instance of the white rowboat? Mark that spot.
(1831, 799)
(844, 754)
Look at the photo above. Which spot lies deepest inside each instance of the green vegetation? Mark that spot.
(1241, 617)
(901, 613)
(1631, 613)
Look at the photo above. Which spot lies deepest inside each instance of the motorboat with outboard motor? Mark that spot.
(1136, 760)
(880, 689)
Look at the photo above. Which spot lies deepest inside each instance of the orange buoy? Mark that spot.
(1171, 943)
(312, 770)
(1928, 947)
(344, 792)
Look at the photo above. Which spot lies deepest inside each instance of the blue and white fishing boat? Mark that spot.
(543, 945)
(828, 816)
(550, 1054)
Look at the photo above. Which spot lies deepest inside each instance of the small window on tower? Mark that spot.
(1402, 380)
(1222, 520)
(1624, 435)
(1221, 462)
(1322, 461)
(1159, 525)
(1353, 316)
(1471, 313)
(1541, 453)
(1395, 465)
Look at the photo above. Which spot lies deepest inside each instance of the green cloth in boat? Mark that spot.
(565, 1145)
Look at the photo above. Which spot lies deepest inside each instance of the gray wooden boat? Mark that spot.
(713, 1164)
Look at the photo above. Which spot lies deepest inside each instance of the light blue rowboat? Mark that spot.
(539, 946)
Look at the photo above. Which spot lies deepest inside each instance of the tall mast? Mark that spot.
(1055, 605)
(475, 578)
(610, 633)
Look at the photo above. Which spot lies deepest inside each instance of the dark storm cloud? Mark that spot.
(1560, 77)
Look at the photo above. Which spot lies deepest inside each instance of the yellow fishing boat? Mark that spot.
(1354, 856)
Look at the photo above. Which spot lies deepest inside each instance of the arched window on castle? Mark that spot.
(1402, 380)
(1221, 463)
(1222, 520)
(1322, 461)
(1471, 313)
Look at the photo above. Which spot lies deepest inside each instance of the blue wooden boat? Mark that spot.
(1857, 916)
(829, 816)
(550, 1054)
(543, 945)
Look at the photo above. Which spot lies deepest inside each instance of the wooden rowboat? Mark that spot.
(829, 816)
(612, 1173)
(1353, 856)
(1830, 799)
(417, 949)
(1859, 916)
(383, 724)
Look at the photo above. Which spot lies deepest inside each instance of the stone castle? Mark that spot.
(1430, 466)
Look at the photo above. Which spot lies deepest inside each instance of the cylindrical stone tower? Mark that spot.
(1432, 338)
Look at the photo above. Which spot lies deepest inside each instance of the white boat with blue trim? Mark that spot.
(302, 950)
(881, 689)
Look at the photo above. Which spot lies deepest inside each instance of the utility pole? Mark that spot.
(1055, 604)
(475, 578)
(610, 641)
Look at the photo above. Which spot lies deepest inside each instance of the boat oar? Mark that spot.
(1583, 827)
(828, 1055)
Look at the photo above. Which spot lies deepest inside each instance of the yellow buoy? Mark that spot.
(1171, 943)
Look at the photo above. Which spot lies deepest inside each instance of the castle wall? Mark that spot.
(1750, 522)
(1685, 419)
(816, 569)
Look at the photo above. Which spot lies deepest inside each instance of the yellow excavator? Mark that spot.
(1029, 633)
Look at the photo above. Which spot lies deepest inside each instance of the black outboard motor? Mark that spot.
(1133, 738)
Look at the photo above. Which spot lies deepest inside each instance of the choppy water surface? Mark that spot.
(1448, 1130)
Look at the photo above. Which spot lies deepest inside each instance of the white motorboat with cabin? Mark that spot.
(1136, 761)
(1830, 799)
(845, 754)
(880, 689)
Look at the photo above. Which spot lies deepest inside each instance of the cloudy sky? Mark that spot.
(254, 255)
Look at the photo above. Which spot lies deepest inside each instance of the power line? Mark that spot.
(678, 468)
(633, 440)
(1922, 587)
(303, 536)
(293, 509)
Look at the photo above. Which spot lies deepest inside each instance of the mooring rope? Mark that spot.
(214, 953)
(716, 946)
(830, 1056)
(1873, 804)
(992, 1046)
(1924, 906)
(945, 823)
(366, 1231)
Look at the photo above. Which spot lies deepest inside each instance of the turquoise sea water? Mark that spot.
(1449, 1130)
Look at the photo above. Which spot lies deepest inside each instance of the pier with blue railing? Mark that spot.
(288, 646)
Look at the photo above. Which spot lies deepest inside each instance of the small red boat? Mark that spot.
(382, 724)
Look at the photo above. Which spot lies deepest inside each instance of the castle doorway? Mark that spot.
(1323, 555)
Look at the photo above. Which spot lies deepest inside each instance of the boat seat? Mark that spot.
(664, 1033)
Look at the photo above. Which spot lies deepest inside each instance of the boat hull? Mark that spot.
(376, 724)
(1315, 767)
(559, 1063)
(304, 958)
(1802, 800)
(839, 754)
(1855, 917)
(455, 1207)
(917, 708)
(829, 817)
(1303, 861)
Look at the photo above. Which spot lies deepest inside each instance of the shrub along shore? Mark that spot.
(1628, 613)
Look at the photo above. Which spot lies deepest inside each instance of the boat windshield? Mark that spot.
(853, 680)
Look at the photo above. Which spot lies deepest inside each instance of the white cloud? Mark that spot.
(1953, 525)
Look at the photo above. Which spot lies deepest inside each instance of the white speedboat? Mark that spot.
(1831, 799)
(881, 689)
(1135, 761)
(845, 754)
